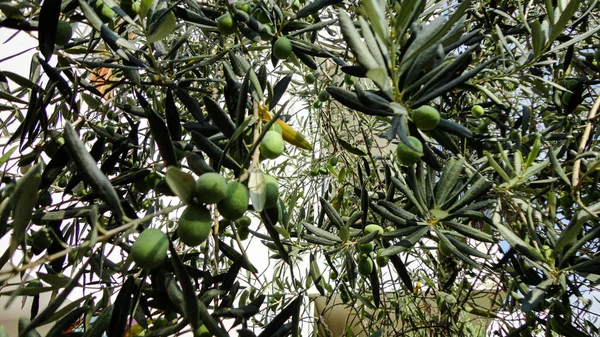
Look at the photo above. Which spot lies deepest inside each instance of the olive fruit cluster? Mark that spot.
(425, 118)
(281, 47)
(231, 198)
(242, 224)
(195, 223)
(366, 253)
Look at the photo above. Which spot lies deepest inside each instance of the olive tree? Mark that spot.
(410, 158)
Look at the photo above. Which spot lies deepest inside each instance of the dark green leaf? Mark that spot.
(172, 115)
(159, 131)
(86, 166)
(213, 151)
(333, 215)
(190, 300)
(190, 103)
(123, 302)
(219, 117)
(321, 233)
(405, 244)
(23, 200)
(279, 89)
(48, 22)
(314, 7)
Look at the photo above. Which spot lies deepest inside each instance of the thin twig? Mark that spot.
(109, 234)
(577, 165)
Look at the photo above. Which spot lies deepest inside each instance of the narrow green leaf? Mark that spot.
(219, 117)
(101, 324)
(24, 199)
(164, 25)
(456, 252)
(333, 215)
(557, 166)
(405, 244)
(401, 270)
(56, 281)
(565, 17)
(24, 328)
(380, 77)
(48, 23)
(398, 211)
(279, 89)
(65, 322)
(86, 166)
(494, 164)
(6, 156)
(321, 233)
(27, 291)
(233, 255)
(197, 164)
(450, 176)
(409, 194)
(213, 151)
(371, 41)
(517, 243)
(190, 103)
(408, 12)
(318, 240)
(57, 301)
(351, 148)
(533, 170)
(469, 231)
(537, 37)
(173, 118)
(282, 317)
(190, 299)
(354, 41)
(578, 38)
(274, 234)
(160, 132)
(123, 303)
(20, 80)
(532, 300)
(465, 248)
(375, 11)
(477, 189)
(398, 233)
(99, 26)
(451, 85)
(316, 275)
(10, 98)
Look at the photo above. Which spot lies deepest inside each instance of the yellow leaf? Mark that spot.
(290, 135)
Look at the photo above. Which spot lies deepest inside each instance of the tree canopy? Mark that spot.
(410, 157)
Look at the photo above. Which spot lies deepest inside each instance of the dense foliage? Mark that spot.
(411, 156)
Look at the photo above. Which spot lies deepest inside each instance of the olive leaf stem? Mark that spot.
(241, 246)
(84, 245)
